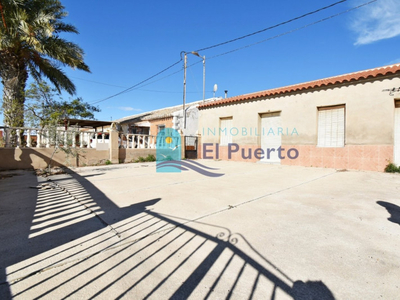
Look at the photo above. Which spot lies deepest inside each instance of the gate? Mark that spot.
(191, 147)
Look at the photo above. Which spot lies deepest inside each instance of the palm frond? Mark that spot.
(60, 27)
(67, 53)
(31, 30)
(54, 74)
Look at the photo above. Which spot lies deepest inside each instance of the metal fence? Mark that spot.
(27, 137)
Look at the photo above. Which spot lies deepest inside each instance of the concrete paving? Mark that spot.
(258, 232)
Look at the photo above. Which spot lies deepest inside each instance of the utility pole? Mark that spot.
(184, 81)
(204, 78)
(184, 91)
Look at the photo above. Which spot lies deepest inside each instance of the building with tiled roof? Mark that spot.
(150, 123)
(350, 121)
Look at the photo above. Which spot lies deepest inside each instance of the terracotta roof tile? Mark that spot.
(351, 77)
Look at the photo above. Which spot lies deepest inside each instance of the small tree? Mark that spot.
(45, 109)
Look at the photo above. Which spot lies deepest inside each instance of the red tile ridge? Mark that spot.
(339, 79)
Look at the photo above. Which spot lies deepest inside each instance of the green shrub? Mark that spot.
(141, 159)
(108, 162)
(150, 157)
(392, 168)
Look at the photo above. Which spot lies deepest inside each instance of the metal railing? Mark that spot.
(27, 137)
(137, 141)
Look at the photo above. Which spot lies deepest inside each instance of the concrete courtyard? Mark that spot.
(257, 232)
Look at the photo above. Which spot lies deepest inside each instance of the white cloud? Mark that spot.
(127, 108)
(377, 21)
(395, 61)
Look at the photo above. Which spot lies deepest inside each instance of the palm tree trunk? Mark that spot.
(14, 76)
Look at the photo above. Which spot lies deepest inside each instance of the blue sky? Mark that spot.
(126, 42)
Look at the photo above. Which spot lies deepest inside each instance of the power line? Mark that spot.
(102, 83)
(145, 90)
(133, 86)
(140, 89)
(271, 38)
(162, 78)
(293, 30)
(272, 27)
(140, 84)
(170, 92)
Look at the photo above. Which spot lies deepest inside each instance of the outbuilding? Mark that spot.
(350, 121)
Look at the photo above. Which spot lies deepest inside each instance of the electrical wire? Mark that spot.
(293, 30)
(140, 84)
(169, 75)
(270, 38)
(102, 83)
(170, 92)
(272, 27)
(145, 90)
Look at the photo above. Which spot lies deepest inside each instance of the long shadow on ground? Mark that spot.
(393, 210)
(71, 240)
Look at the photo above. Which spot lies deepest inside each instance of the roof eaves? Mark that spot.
(330, 81)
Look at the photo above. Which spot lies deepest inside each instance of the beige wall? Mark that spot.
(28, 158)
(154, 123)
(36, 158)
(129, 155)
(33, 158)
(369, 120)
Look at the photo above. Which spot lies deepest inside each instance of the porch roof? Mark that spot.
(88, 123)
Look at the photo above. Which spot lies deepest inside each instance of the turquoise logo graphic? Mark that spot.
(168, 150)
(168, 156)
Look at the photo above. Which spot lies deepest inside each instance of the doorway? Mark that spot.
(397, 133)
(271, 139)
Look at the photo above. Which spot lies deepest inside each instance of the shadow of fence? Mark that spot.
(79, 244)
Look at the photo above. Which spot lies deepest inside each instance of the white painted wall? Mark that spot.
(369, 114)
(192, 121)
(397, 136)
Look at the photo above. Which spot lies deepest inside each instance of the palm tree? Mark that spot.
(30, 44)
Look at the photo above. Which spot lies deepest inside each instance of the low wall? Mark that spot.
(351, 157)
(129, 155)
(38, 158)
(92, 157)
